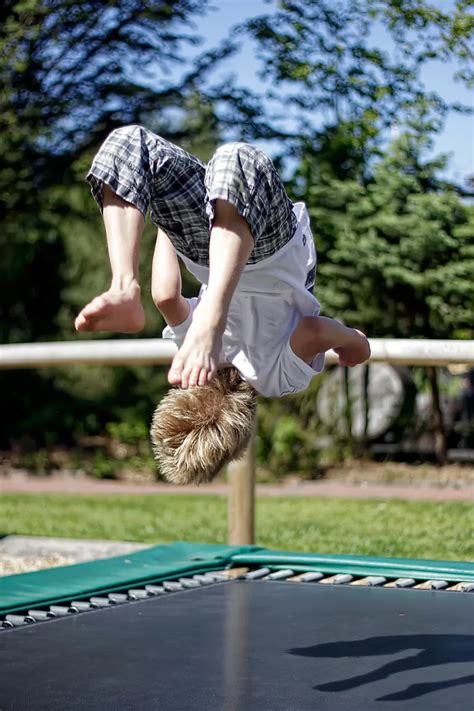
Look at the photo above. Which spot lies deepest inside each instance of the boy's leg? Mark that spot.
(166, 282)
(317, 334)
(131, 172)
(118, 309)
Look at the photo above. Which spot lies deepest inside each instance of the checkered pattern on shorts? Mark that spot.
(180, 191)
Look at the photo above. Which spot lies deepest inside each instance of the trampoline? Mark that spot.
(188, 626)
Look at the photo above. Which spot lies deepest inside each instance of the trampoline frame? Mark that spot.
(159, 570)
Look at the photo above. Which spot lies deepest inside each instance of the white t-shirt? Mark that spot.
(270, 298)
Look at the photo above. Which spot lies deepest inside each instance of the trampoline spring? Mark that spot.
(138, 594)
(100, 601)
(172, 586)
(40, 615)
(432, 585)
(117, 598)
(189, 583)
(404, 583)
(256, 574)
(61, 610)
(19, 620)
(280, 574)
(310, 577)
(203, 579)
(371, 581)
(155, 589)
(374, 581)
(462, 586)
(342, 579)
(339, 579)
(219, 577)
(82, 605)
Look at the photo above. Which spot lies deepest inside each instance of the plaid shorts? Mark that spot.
(180, 191)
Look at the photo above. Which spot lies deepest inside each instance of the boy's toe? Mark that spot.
(82, 323)
(194, 377)
(176, 374)
(174, 377)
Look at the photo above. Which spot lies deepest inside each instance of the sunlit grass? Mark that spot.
(435, 530)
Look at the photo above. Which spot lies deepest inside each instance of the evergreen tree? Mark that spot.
(401, 248)
(396, 251)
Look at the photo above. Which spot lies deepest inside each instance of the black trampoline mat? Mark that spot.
(248, 645)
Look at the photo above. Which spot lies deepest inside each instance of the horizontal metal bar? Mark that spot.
(157, 351)
(404, 351)
(129, 351)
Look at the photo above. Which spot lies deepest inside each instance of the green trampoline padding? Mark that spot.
(358, 565)
(44, 587)
(55, 585)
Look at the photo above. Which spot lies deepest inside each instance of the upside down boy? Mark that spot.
(255, 326)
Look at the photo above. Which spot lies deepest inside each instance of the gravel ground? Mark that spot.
(23, 554)
(10, 564)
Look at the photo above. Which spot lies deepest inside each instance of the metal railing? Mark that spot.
(155, 351)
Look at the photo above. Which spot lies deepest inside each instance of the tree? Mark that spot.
(65, 405)
(74, 71)
(71, 72)
(334, 93)
(356, 63)
(397, 252)
(406, 240)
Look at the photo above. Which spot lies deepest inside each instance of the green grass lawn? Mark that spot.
(437, 530)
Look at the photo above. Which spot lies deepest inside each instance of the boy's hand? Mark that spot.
(197, 360)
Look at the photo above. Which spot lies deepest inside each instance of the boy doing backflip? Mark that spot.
(255, 327)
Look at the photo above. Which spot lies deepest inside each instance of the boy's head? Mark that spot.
(195, 432)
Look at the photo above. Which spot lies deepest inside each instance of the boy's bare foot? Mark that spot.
(196, 361)
(118, 310)
(356, 351)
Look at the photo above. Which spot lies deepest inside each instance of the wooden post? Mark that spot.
(241, 507)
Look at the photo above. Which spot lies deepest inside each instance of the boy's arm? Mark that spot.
(229, 249)
(230, 246)
(317, 334)
(166, 282)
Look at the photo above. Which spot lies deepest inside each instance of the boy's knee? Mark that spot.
(124, 131)
(133, 134)
(163, 296)
(238, 153)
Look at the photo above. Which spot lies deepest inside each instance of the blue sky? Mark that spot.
(457, 138)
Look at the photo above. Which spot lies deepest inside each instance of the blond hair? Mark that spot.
(195, 432)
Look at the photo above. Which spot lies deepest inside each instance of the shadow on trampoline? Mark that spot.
(433, 650)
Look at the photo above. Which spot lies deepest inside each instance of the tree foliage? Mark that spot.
(397, 251)
(396, 245)
(357, 62)
(72, 71)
